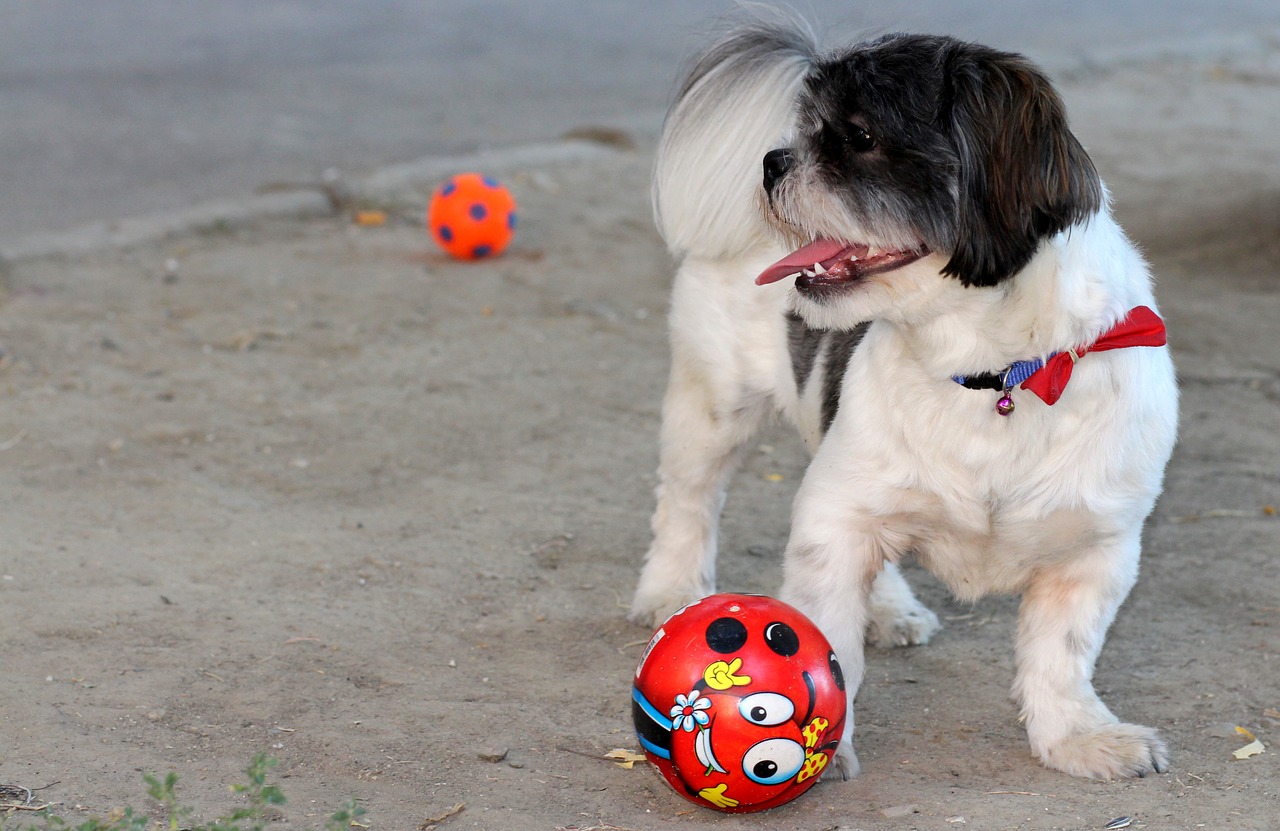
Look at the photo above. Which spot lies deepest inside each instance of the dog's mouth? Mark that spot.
(827, 263)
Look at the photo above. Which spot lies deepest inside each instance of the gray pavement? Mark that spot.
(148, 107)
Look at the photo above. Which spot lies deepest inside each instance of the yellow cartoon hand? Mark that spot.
(721, 676)
(717, 797)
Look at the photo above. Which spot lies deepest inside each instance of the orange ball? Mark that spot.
(472, 217)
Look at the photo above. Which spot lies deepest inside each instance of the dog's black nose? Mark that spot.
(776, 165)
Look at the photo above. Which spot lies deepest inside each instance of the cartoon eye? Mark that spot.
(766, 709)
(773, 761)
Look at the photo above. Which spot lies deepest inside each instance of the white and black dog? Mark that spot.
(955, 263)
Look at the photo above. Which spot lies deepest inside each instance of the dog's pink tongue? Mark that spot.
(822, 251)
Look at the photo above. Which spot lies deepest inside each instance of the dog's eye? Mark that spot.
(860, 139)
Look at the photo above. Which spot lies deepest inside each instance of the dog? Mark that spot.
(902, 248)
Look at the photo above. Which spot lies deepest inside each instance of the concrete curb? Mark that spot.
(388, 183)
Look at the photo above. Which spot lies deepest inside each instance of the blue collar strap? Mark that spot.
(1004, 380)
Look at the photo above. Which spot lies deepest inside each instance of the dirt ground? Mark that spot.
(314, 490)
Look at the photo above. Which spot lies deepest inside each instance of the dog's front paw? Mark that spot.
(1112, 752)
(904, 622)
(845, 762)
(652, 605)
(670, 580)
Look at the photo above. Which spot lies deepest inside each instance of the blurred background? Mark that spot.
(134, 107)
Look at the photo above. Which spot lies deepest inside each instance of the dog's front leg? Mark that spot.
(1064, 618)
(706, 421)
(830, 568)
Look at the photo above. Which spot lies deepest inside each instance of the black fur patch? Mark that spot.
(804, 344)
(807, 345)
(1023, 175)
(839, 351)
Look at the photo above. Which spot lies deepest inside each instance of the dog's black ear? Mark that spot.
(1023, 175)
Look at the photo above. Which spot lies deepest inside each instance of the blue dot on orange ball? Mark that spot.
(472, 217)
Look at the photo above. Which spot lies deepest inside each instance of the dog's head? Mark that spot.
(923, 155)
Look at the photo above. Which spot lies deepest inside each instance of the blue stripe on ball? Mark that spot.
(493, 183)
(481, 251)
(446, 233)
(511, 220)
(449, 187)
(478, 211)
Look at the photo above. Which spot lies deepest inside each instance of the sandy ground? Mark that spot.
(314, 490)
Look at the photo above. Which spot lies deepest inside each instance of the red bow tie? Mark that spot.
(1141, 327)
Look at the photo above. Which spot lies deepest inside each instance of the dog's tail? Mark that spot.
(736, 104)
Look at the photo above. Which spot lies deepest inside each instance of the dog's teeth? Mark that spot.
(818, 269)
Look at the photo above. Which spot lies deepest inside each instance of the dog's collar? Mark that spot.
(1048, 378)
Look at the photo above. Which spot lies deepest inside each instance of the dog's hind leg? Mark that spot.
(895, 617)
(718, 395)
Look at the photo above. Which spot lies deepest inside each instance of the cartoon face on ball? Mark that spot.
(739, 702)
(757, 735)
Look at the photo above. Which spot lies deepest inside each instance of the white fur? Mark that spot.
(1048, 502)
(720, 127)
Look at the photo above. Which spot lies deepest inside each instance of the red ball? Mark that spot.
(739, 702)
(472, 216)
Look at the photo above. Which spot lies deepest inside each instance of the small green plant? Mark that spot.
(259, 795)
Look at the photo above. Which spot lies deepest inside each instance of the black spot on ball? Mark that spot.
(782, 639)
(726, 635)
(836, 672)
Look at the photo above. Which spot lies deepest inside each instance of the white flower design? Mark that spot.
(690, 712)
